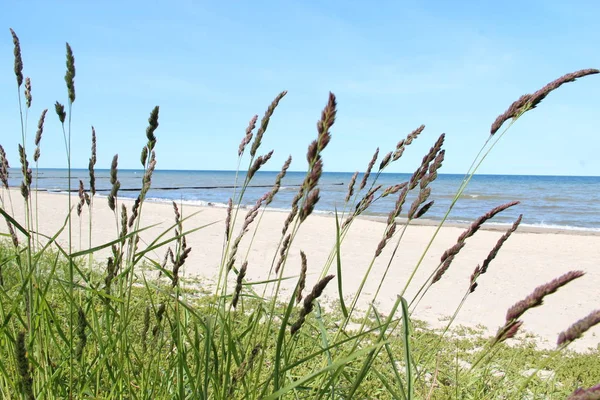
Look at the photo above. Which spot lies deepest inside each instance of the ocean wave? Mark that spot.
(543, 225)
(201, 203)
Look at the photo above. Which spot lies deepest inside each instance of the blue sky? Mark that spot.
(453, 66)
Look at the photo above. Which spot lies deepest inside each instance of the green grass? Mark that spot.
(75, 324)
(500, 379)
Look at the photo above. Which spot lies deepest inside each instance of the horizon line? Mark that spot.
(325, 172)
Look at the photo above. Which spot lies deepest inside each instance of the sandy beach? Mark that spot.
(530, 258)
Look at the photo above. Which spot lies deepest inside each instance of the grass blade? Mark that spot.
(407, 349)
(339, 265)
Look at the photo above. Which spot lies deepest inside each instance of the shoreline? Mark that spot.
(495, 227)
(528, 259)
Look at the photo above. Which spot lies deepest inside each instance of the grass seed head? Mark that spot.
(308, 305)
(264, 123)
(60, 111)
(81, 194)
(309, 205)
(239, 282)
(116, 185)
(401, 146)
(228, 218)
(351, 186)
(365, 178)
(38, 135)
(302, 279)
(4, 168)
(23, 366)
(530, 101)
(536, 298)
(577, 330)
(248, 137)
(386, 161)
(424, 209)
(70, 75)
(283, 252)
(81, 334)
(28, 97)
(152, 126)
(92, 163)
(18, 59)
(592, 393)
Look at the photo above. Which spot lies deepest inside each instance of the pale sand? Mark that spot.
(529, 258)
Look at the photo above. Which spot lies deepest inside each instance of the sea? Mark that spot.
(562, 202)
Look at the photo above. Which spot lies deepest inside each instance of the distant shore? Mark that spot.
(531, 257)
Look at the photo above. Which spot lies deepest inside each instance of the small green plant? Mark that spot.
(77, 324)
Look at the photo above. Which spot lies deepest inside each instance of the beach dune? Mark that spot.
(528, 259)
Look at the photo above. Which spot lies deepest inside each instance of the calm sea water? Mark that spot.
(546, 201)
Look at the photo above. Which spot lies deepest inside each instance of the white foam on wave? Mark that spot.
(542, 225)
(201, 203)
